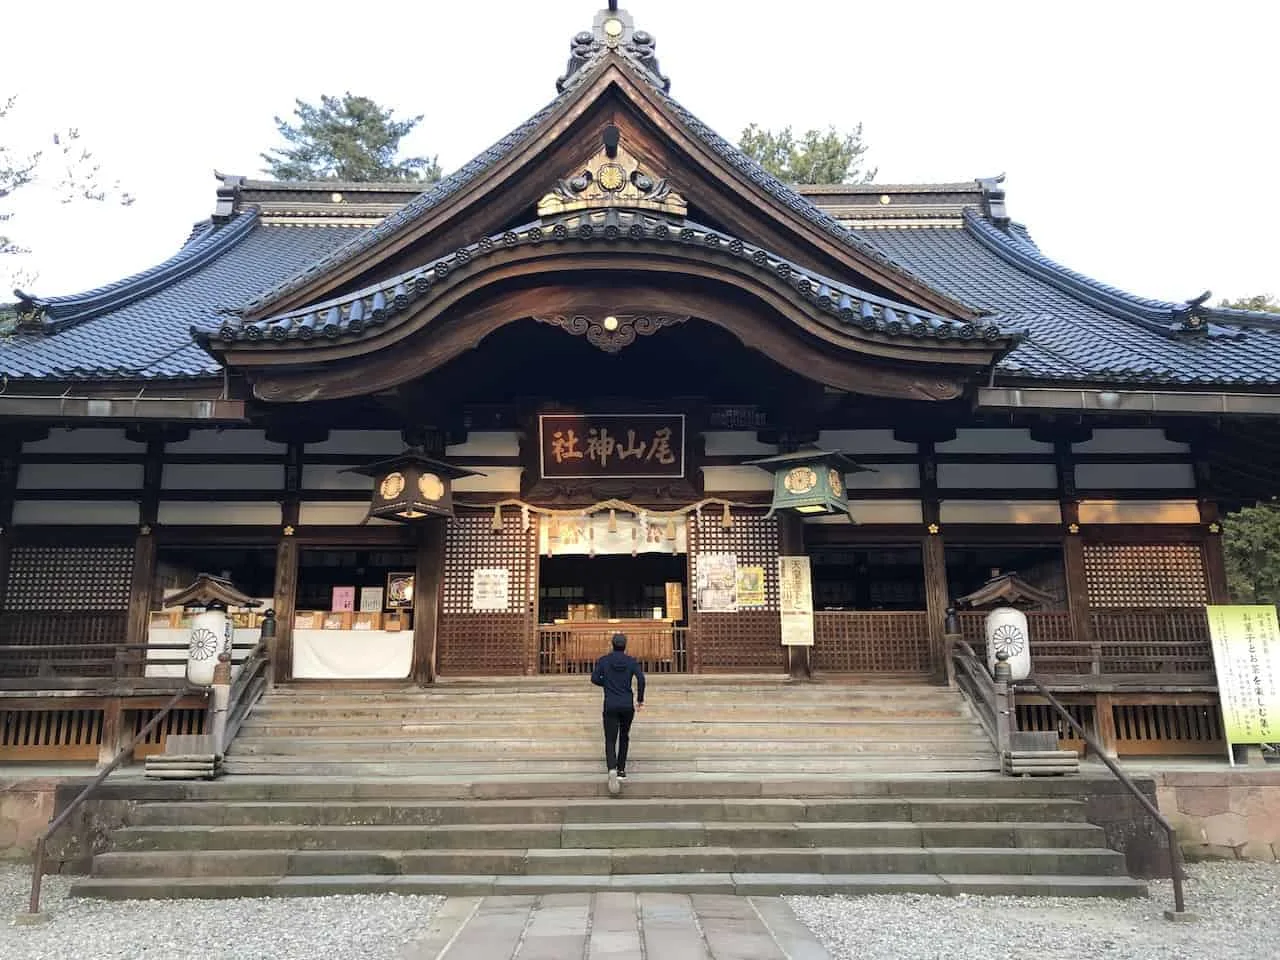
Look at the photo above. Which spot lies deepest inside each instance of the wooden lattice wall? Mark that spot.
(65, 595)
(1145, 575)
(751, 638)
(488, 643)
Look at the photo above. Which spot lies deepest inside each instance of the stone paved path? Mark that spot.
(615, 926)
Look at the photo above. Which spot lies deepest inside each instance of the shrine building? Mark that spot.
(602, 378)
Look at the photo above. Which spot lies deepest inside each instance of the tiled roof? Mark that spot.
(360, 313)
(1078, 329)
(141, 330)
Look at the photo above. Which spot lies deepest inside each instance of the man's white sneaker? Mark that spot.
(614, 786)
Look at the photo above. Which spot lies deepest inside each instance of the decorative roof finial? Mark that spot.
(612, 29)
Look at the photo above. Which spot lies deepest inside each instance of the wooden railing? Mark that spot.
(662, 648)
(871, 641)
(1173, 642)
(59, 637)
(23, 666)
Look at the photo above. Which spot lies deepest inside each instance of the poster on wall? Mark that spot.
(370, 599)
(399, 591)
(491, 589)
(675, 600)
(1246, 655)
(795, 601)
(717, 583)
(344, 599)
(751, 586)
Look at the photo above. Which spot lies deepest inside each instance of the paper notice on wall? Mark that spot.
(717, 583)
(795, 601)
(370, 599)
(751, 586)
(491, 589)
(1246, 655)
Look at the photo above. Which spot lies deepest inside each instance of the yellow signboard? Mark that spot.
(1246, 654)
(751, 587)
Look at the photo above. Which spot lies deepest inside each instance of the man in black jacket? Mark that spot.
(614, 672)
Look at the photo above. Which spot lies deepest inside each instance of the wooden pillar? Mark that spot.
(286, 586)
(144, 548)
(937, 594)
(428, 578)
(1073, 547)
(1105, 724)
(115, 735)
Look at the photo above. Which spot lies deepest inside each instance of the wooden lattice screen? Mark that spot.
(479, 642)
(751, 638)
(59, 595)
(1145, 575)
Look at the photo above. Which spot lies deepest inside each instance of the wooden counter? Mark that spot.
(573, 646)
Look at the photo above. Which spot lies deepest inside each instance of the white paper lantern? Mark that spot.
(208, 638)
(1007, 633)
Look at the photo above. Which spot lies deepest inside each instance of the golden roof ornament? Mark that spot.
(612, 178)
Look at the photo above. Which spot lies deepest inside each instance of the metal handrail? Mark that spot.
(1175, 865)
(37, 866)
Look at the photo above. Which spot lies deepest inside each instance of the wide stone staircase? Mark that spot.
(739, 785)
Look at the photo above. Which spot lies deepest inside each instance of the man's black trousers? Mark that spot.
(617, 736)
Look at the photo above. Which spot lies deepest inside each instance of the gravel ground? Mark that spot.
(320, 928)
(1235, 901)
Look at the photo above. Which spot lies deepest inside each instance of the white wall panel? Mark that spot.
(326, 476)
(854, 442)
(995, 440)
(726, 479)
(223, 476)
(870, 512)
(226, 441)
(1001, 475)
(75, 512)
(215, 512)
(728, 443)
(1119, 476)
(80, 476)
(1139, 511)
(495, 480)
(886, 476)
(338, 513)
(1130, 440)
(364, 442)
(487, 443)
(999, 511)
(84, 440)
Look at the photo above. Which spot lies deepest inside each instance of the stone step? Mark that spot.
(508, 836)
(509, 785)
(606, 862)
(883, 763)
(643, 747)
(743, 884)
(435, 813)
(655, 728)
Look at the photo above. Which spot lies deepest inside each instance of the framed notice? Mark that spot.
(717, 583)
(344, 598)
(399, 591)
(751, 586)
(795, 601)
(491, 589)
(1246, 656)
(371, 599)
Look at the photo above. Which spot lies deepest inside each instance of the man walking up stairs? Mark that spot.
(614, 672)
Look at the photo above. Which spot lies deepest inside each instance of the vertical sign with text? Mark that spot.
(795, 601)
(1246, 656)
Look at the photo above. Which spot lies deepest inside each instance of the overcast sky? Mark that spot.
(1139, 137)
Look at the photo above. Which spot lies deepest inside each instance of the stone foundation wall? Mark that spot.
(26, 807)
(1231, 814)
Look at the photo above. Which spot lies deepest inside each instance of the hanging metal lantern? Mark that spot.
(412, 486)
(810, 481)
